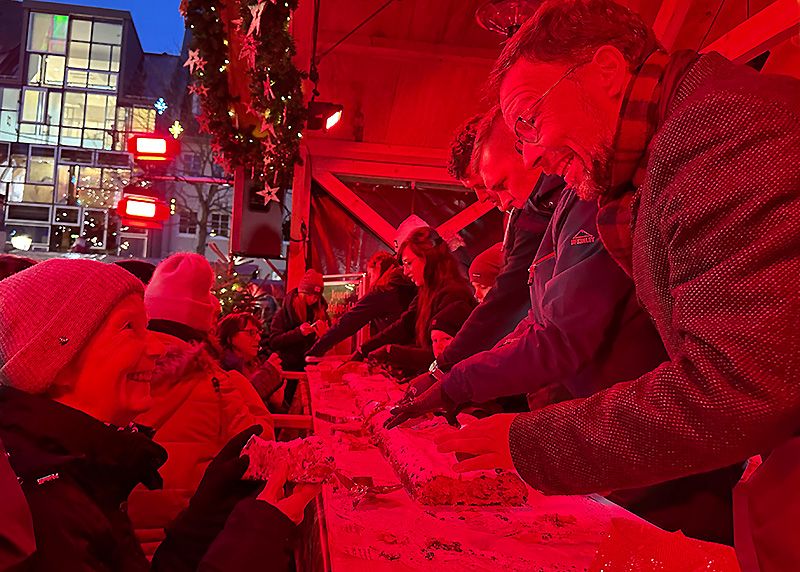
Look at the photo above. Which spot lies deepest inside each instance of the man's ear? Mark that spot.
(612, 71)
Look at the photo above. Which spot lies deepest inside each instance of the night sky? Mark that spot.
(158, 22)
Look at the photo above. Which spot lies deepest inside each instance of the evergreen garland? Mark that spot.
(234, 142)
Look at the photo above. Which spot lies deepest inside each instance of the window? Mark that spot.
(192, 164)
(47, 33)
(9, 115)
(41, 112)
(94, 54)
(87, 120)
(91, 187)
(132, 120)
(219, 225)
(188, 222)
(46, 69)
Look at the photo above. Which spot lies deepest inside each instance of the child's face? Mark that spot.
(439, 341)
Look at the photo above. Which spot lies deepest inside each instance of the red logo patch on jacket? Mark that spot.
(582, 237)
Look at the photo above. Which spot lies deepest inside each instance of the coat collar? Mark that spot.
(44, 437)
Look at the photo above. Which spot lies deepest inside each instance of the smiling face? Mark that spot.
(575, 120)
(110, 378)
(413, 267)
(507, 180)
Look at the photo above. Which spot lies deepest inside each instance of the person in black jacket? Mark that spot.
(390, 294)
(428, 262)
(76, 361)
(302, 318)
(499, 176)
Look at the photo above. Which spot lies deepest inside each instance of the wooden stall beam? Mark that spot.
(355, 205)
(301, 211)
(322, 148)
(464, 218)
(669, 21)
(767, 28)
(418, 173)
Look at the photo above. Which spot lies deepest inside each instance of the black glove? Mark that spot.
(381, 354)
(194, 529)
(434, 399)
(357, 356)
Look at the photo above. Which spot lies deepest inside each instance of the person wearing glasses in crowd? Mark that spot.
(585, 332)
(529, 200)
(693, 162)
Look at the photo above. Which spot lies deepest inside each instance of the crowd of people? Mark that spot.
(633, 335)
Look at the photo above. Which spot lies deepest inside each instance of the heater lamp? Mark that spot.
(323, 115)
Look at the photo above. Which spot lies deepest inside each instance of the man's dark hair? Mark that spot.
(461, 149)
(483, 133)
(571, 31)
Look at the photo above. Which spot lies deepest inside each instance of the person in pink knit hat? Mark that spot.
(76, 366)
(197, 406)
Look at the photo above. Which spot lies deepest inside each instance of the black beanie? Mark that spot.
(450, 318)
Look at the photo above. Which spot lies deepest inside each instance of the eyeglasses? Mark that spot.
(525, 129)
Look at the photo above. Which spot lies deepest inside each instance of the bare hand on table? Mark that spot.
(485, 439)
(294, 505)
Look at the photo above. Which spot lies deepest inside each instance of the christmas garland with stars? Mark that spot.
(272, 147)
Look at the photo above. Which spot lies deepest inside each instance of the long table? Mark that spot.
(393, 533)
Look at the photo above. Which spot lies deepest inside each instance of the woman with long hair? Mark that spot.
(390, 294)
(429, 264)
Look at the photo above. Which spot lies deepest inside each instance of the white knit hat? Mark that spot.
(49, 312)
(180, 291)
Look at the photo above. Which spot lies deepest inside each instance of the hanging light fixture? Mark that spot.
(505, 16)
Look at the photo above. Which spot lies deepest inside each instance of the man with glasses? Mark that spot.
(529, 200)
(585, 332)
(695, 165)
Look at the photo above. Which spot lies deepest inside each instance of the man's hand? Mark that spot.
(381, 354)
(294, 505)
(485, 439)
(307, 329)
(434, 399)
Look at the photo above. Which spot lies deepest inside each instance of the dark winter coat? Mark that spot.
(587, 331)
(508, 301)
(77, 474)
(381, 307)
(17, 541)
(404, 333)
(285, 336)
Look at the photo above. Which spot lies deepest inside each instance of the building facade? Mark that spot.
(75, 83)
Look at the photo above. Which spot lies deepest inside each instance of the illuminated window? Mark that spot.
(47, 33)
(94, 54)
(9, 114)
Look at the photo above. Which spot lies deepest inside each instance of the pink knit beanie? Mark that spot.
(180, 291)
(311, 283)
(49, 312)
